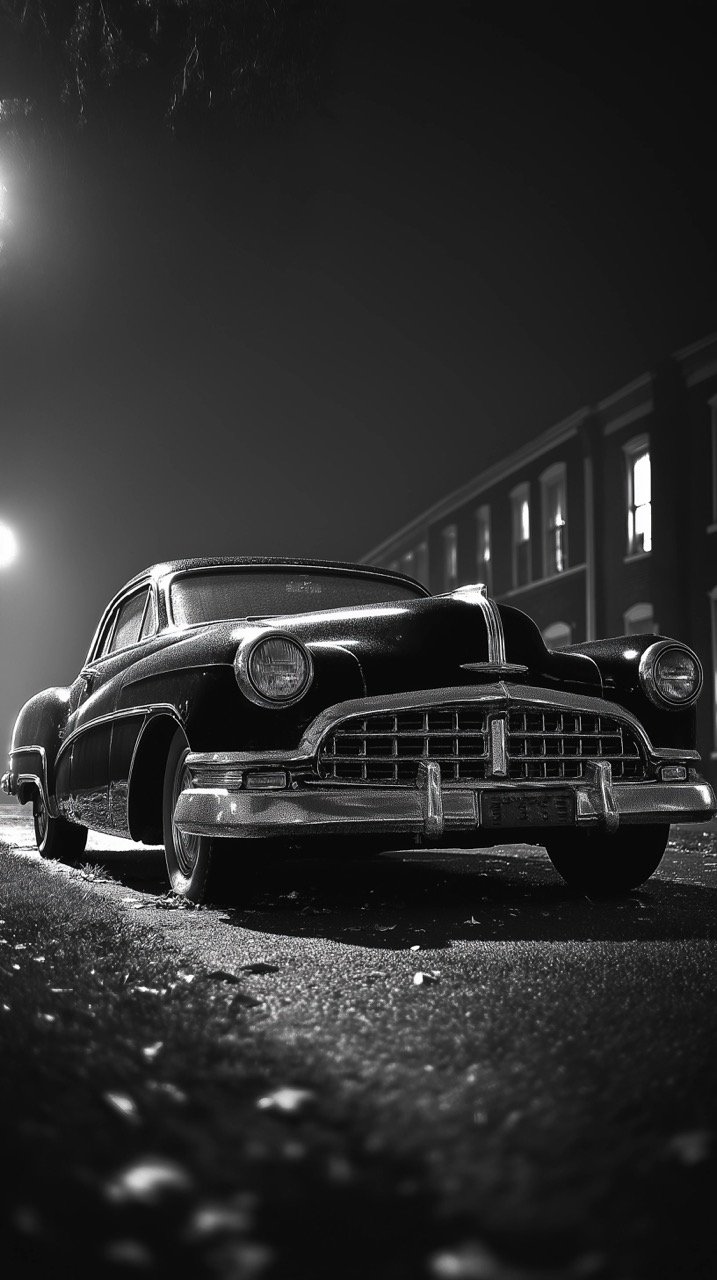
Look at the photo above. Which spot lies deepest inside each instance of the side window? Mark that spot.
(104, 643)
(129, 620)
(149, 625)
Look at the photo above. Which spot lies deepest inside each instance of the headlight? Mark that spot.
(671, 674)
(273, 671)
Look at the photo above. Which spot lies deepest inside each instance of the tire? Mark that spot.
(193, 862)
(56, 837)
(607, 864)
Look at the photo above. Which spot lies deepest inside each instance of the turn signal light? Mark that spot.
(673, 773)
(267, 780)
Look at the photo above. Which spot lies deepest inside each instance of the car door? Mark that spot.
(91, 719)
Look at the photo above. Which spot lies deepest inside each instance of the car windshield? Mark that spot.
(246, 593)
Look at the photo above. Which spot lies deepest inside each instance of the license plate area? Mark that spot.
(527, 808)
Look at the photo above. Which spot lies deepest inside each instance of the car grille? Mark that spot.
(387, 747)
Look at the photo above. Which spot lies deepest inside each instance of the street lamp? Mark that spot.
(8, 545)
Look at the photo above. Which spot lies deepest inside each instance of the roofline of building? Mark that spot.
(631, 402)
(543, 443)
(699, 360)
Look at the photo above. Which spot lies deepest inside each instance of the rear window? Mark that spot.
(250, 593)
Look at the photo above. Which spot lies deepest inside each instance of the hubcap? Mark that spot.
(186, 847)
(41, 818)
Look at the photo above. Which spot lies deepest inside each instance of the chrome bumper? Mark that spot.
(428, 809)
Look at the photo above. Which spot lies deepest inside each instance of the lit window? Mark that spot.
(553, 485)
(484, 564)
(558, 635)
(408, 562)
(450, 557)
(639, 497)
(522, 568)
(639, 618)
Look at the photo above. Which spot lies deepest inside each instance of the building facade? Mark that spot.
(603, 525)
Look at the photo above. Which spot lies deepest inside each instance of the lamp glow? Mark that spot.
(8, 546)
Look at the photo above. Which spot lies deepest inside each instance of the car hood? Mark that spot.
(408, 645)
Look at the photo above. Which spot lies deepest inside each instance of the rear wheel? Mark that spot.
(56, 837)
(606, 864)
(194, 865)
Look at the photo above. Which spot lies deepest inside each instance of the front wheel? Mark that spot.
(598, 863)
(56, 837)
(193, 863)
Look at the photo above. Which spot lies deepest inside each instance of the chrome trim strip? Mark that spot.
(475, 593)
(33, 777)
(216, 812)
(124, 713)
(496, 635)
(36, 749)
(498, 747)
(34, 746)
(428, 783)
(499, 669)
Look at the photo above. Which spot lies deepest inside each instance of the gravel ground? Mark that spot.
(542, 1064)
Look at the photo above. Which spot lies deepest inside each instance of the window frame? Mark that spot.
(556, 474)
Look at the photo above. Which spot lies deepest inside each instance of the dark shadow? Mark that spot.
(401, 899)
(430, 897)
(142, 869)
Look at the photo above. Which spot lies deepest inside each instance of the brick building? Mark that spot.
(605, 524)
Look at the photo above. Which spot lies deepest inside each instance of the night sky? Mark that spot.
(295, 340)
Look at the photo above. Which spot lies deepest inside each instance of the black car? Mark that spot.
(228, 703)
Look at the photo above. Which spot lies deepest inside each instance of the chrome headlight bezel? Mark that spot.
(649, 675)
(243, 669)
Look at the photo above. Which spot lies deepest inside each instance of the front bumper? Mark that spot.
(429, 809)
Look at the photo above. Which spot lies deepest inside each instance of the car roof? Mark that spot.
(167, 567)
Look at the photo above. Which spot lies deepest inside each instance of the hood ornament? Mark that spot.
(476, 593)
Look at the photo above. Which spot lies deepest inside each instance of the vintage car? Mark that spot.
(230, 703)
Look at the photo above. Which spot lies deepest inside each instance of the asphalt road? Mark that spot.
(550, 1060)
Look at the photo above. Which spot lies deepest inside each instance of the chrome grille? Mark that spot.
(387, 747)
(558, 744)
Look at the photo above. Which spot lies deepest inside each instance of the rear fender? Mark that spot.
(36, 740)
